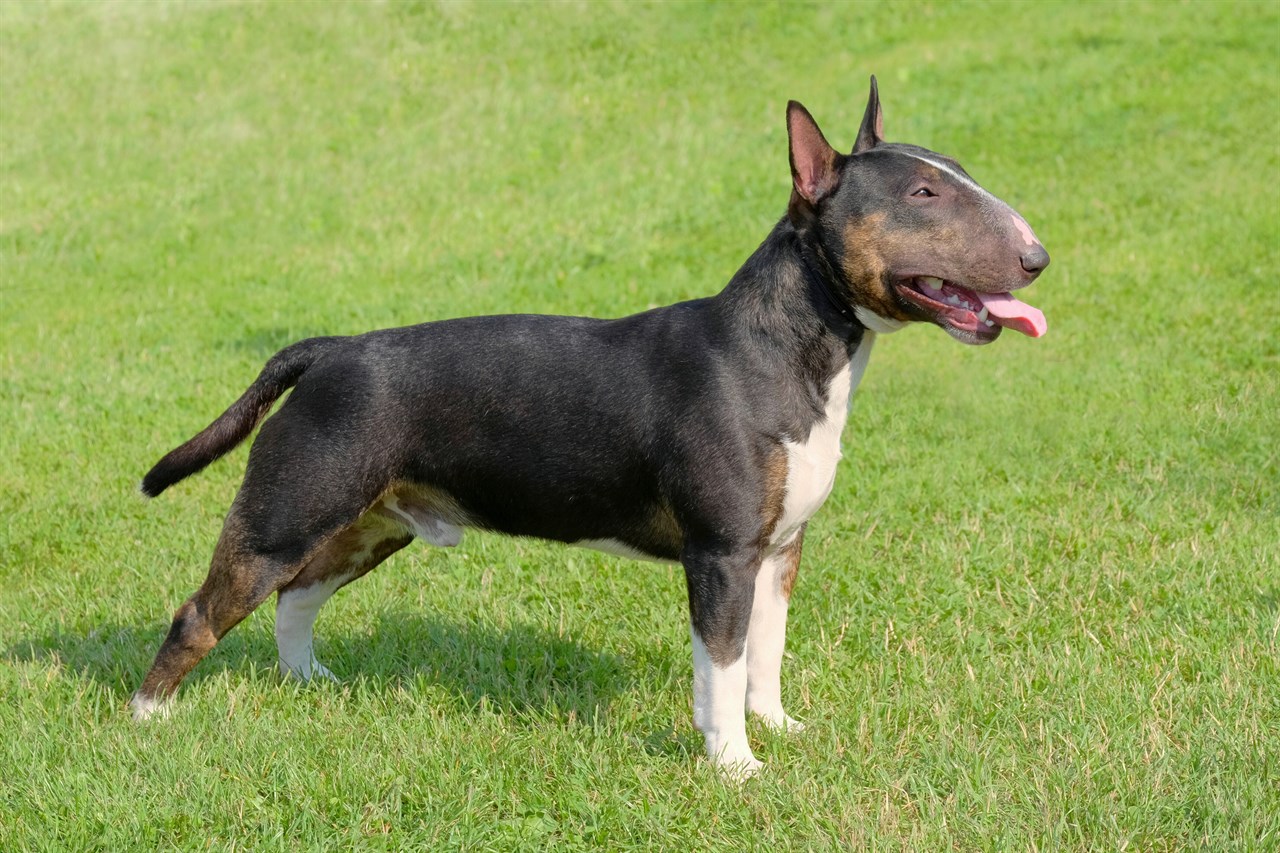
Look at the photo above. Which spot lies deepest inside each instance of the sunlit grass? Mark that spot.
(1040, 610)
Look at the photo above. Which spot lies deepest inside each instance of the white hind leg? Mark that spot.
(352, 553)
(296, 611)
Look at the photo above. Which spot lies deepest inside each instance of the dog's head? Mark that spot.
(908, 235)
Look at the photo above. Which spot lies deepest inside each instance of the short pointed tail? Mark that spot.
(234, 425)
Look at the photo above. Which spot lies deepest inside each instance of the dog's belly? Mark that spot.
(618, 548)
(648, 532)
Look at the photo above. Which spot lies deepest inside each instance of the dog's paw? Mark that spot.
(733, 757)
(145, 707)
(778, 721)
(304, 673)
(322, 672)
(788, 725)
(738, 770)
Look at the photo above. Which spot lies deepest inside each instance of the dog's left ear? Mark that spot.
(871, 133)
(815, 165)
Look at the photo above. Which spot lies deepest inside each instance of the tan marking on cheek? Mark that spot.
(867, 243)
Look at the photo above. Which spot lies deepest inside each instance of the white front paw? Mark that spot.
(733, 757)
(775, 718)
(780, 722)
(738, 768)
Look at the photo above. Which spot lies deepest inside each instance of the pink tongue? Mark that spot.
(1012, 314)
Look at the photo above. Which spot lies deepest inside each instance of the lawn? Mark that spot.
(1040, 610)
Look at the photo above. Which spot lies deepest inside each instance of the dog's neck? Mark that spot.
(784, 295)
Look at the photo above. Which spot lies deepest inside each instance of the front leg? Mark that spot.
(767, 634)
(721, 590)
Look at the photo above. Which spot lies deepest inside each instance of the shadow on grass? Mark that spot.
(517, 669)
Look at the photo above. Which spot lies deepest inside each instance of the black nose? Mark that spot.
(1034, 260)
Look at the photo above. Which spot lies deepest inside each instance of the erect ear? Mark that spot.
(815, 165)
(871, 133)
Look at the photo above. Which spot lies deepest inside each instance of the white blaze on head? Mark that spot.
(1028, 236)
(963, 179)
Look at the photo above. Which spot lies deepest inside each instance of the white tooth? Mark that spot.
(932, 283)
(982, 315)
(989, 323)
(954, 300)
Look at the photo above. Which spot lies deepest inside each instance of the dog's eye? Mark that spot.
(925, 192)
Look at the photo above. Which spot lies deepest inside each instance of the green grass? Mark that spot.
(1040, 610)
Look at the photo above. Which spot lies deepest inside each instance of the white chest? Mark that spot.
(811, 464)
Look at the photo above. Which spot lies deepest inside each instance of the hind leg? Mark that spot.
(277, 524)
(354, 552)
(389, 525)
(240, 578)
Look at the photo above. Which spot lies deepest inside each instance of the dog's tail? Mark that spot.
(234, 425)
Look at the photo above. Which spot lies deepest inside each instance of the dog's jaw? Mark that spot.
(970, 315)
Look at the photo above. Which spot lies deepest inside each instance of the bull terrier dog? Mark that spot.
(706, 432)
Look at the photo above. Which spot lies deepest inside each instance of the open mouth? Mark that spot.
(971, 316)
